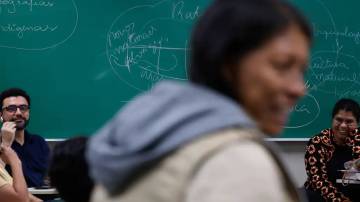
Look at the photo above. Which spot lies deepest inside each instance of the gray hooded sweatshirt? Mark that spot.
(153, 125)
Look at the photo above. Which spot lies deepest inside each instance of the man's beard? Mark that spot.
(20, 122)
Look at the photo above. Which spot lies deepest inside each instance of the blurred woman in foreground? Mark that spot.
(202, 140)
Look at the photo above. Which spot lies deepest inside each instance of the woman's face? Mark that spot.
(342, 124)
(269, 80)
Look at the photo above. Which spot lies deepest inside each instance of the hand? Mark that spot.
(8, 155)
(357, 164)
(34, 198)
(8, 133)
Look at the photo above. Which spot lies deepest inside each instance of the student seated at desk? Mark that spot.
(32, 150)
(12, 189)
(327, 152)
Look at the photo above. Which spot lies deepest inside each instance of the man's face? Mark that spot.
(16, 109)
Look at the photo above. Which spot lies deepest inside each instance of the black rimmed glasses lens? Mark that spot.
(13, 108)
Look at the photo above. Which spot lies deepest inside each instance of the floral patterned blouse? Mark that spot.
(319, 152)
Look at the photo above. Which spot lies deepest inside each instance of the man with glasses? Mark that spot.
(32, 150)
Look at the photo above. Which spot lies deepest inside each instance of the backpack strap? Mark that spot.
(219, 142)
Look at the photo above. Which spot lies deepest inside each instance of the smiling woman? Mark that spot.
(327, 152)
(274, 74)
(191, 141)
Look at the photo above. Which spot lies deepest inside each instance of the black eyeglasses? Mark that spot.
(13, 108)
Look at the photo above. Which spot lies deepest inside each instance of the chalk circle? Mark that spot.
(304, 113)
(146, 44)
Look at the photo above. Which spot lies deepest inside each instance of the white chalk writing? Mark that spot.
(322, 63)
(301, 108)
(179, 13)
(336, 77)
(126, 31)
(327, 34)
(150, 76)
(20, 30)
(11, 6)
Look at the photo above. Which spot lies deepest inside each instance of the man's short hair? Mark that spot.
(13, 92)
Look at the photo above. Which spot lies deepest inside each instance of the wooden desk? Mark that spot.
(350, 187)
(345, 181)
(349, 177)
(45, 194)
(47, 191)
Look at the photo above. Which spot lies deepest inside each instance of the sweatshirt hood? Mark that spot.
(154, 124)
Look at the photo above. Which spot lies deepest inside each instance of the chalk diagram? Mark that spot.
(333, 72)
(37, 24)
(148, 43)
(307, 110)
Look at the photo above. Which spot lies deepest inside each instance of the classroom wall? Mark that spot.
(293, 157)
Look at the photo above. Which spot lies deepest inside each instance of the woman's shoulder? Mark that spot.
(246, 153)
(324, 137)
(238, 170)
(245, 149)
(5, 178)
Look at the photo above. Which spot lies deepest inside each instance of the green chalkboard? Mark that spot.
(334, 70)
(81, 60)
